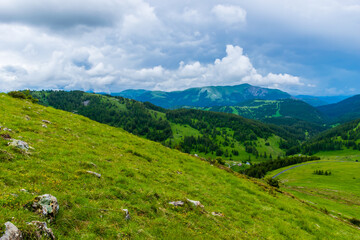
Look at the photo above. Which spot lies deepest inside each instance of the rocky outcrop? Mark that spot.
(46, 205)
(19, 144)
(41, 231)
(195, 203)
(11, 232)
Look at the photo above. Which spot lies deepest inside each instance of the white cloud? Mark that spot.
(230, 14)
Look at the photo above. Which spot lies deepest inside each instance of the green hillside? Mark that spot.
(342, 137)
(205, 96)
(338, 192)
(138, 175)
(344, 111)
(208, 134)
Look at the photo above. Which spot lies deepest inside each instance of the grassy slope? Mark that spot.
(141, 176)
(339, 193)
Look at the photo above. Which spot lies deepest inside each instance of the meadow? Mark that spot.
(141, 176)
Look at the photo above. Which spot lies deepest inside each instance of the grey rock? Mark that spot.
(195, 203)
(46, 205)
(44, 126)
(177, 203)
(42, 231)
(217, 214)
(11, 232)
(127, 214)
(46, 121)
(19, 144)
(94, 173)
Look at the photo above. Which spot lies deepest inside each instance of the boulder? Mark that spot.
(46, 205)
(11, 232)
(42, 231)
(195, 203)
(177, 203)
(94, 173)
(19, 144)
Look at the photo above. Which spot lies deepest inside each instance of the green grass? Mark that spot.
(338, 193)
(141, 176)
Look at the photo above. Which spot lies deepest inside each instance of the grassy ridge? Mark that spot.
(141, 176)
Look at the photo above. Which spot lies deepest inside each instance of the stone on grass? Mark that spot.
(177, 203)
(44, 125)
(42, 231)
(19, 144)
(195, 203)
(217, 214)
(94, 173)
(11, 232)
(46, 121)
(6, 136)
(127, 214)
(46, 205)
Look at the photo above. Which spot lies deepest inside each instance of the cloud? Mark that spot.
(230, 14)
(113, 45)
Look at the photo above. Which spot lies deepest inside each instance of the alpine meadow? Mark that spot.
(144, 119)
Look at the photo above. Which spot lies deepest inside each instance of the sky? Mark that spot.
(298, 46)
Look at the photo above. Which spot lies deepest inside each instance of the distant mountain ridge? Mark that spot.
(344, 111)
(205, 96)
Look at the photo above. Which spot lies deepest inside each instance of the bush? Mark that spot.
(274, 182)
(23, 95)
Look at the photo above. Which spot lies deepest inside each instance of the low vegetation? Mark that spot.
(140, 176)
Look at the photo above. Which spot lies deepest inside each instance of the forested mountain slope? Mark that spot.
(207, 133)
(344, 111)
(205, 96)
(140, 176)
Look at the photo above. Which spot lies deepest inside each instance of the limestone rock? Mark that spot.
(94, 173)
(217, 214)
(177, 203)
(19, 144)
(47, 205)
(195, 203)
(11, 232)
(44, 125)
(46, 121)
(42, 231)
(127, 214)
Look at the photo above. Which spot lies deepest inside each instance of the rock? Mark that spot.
(6, 136)
(42, 231)
(217, 214)
(94, 173)
(19, 144)
(24, 190)
(127, 215)
(44, 126)
(195, 203)
(178, 172)
(46, 121)
(86, 103)
(177, 203)
(7, 129)
(47, 205)
(11, 232)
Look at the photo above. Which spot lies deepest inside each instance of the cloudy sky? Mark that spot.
(299, 46)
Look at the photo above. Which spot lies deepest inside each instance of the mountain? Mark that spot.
(140, 176)
(320, 100)
(208, 134)
(286, 112)
(342, 137)
(205, 96)
(267, 109)
(344, 111)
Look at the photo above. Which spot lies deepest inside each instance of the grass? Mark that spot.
(141, 176)
(338, 193)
